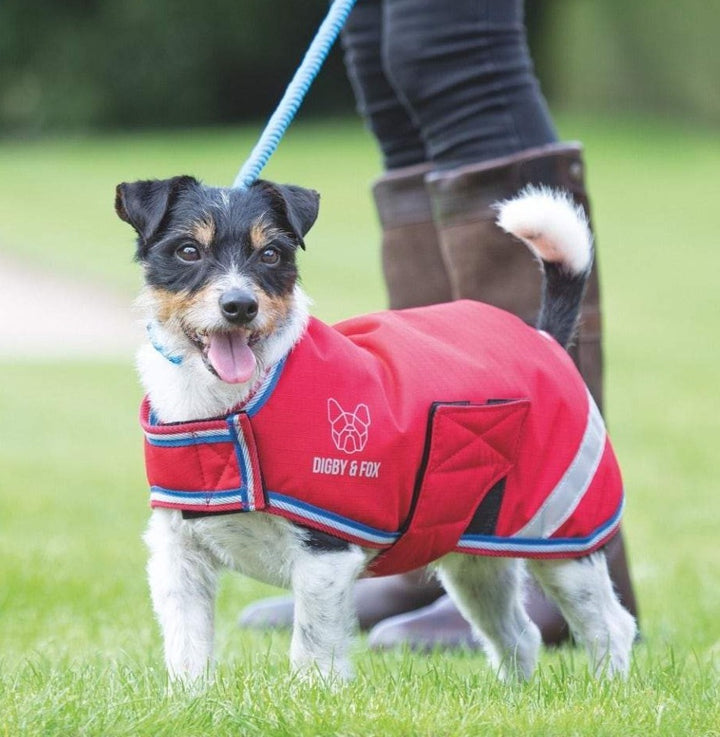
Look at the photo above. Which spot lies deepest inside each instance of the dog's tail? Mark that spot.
(557, 231)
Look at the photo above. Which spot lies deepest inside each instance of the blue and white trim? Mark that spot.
(265, 390)
(196, 437)
(195, 499)
(244, 463)
(330, 520)
(528, 547)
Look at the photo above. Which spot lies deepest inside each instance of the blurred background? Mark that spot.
(94, 92)
(87, 65)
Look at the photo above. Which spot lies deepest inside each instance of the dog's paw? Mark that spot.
(333, 675)
(190, 683)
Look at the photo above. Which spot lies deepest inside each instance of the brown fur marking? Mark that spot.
(173, 305)
(274, 310)
(261, 234)
(203, 232)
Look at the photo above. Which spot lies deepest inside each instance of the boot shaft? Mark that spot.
(484, 263)
(440, 241)
(413, 266)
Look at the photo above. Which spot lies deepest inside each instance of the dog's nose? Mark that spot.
(238, 306)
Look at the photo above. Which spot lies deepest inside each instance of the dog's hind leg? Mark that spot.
(182, 579)
(489, 594)
(583, 590)
(325, 619)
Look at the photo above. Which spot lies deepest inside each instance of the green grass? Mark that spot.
(397, 695)
(79, 652)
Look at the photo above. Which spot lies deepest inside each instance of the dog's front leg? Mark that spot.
(182, 579)
(325, 617)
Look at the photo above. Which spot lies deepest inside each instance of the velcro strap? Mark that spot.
(470, 448)
(206, 466)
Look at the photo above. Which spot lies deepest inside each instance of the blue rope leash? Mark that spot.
(295, 92)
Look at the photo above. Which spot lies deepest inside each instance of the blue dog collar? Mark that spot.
(152, 331)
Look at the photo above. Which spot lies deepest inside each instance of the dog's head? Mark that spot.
(220, 265)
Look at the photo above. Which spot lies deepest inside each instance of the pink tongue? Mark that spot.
(231, 357)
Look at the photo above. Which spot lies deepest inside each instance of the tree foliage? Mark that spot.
(661, 56)
(80, 64)
(106, 63)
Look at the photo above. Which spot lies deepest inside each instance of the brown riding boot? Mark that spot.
(440, 626)
(376, 600)
(486, 264)
(414, 270)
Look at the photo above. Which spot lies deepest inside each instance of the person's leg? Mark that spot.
(465, 73)
(413, 267)
(397, 135)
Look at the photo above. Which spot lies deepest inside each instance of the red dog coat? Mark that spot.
(418, 432)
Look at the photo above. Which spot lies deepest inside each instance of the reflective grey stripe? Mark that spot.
(565, 497)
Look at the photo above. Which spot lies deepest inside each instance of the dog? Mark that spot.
(456, 435)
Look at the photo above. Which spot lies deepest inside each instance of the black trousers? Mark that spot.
(445, 81)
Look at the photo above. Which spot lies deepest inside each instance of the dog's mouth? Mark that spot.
(229, 355)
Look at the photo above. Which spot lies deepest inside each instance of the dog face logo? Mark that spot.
(349, 429)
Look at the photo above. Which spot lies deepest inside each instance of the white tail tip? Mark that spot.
(551, 225)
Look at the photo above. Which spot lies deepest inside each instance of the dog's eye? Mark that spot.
(270, 256)
(188, 253)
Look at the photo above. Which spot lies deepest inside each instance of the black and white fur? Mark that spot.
(205, 248)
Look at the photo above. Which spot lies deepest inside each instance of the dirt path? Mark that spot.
(44, 316)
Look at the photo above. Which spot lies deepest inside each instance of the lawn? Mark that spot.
(79, 652)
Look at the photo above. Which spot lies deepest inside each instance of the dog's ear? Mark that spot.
(302, 208)
(144, 204)
(297, 206)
